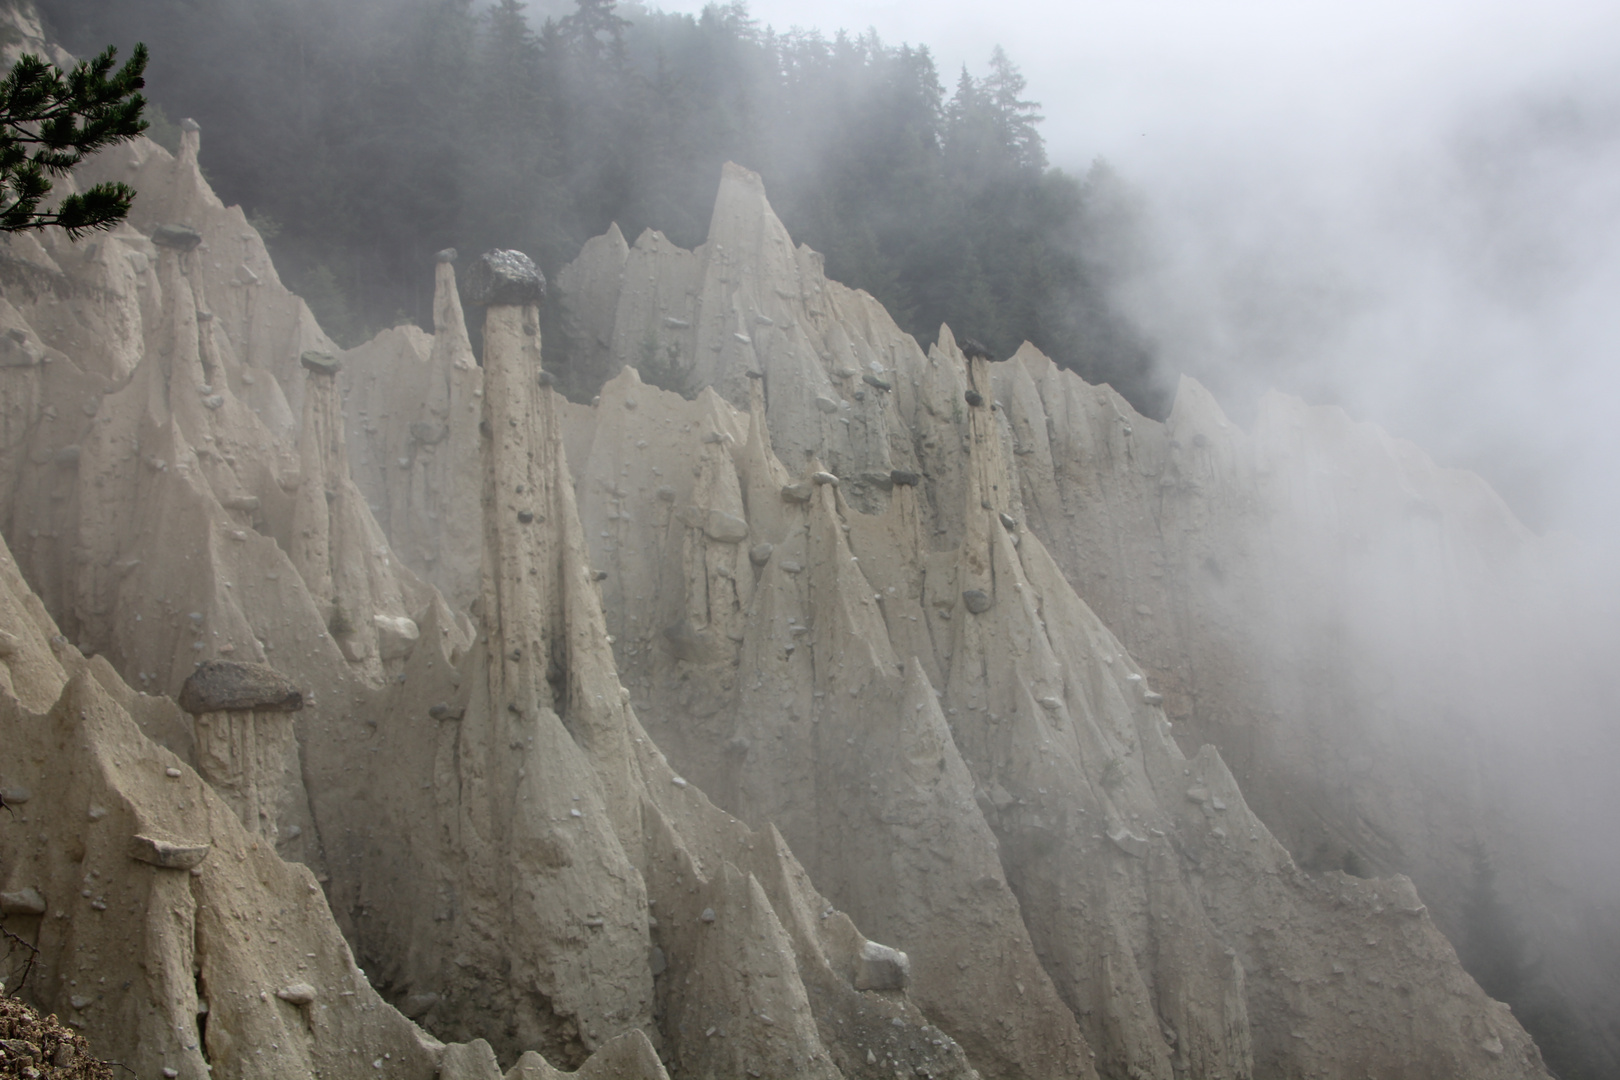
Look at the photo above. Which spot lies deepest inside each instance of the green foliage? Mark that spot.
(1492, 940)
(160, 129)
(266, 226)
(660, 365)
(49, 121)
(329, 303)
(1493, 950)
(379, 131)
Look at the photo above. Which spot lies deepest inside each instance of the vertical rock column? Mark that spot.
(244, 735)
(460, 532)
(556, 911)
(521, 608)
(321, 441)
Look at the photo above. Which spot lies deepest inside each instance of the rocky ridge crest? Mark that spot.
(839, 625)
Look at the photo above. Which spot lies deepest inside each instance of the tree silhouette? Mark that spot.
(49, 121)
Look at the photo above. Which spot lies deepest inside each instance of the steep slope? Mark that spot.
(593, 758)
(908, 557)
(491, 827)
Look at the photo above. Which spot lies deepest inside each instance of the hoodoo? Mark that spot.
(385, 712)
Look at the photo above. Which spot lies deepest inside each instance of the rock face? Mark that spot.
(481, 819)
(623, 725)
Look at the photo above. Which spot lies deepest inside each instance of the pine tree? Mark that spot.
(49, 121)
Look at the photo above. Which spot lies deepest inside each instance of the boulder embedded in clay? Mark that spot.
(321, 363)
(879, 967)
(396, 636)
(168, 854)
(504, 277)
(176, 237)
(239, 686)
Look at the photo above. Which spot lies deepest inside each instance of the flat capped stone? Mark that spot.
(321, 363)
(796, 493)
(881, 480)
(976, 600)
(299, 993)
(1128, 842)
(725, 528)
(167, 854)
(24, 901)
(882, 968)
(176, 237)
(446, 255)
(188, 124)
(504, 277)
(238, 685)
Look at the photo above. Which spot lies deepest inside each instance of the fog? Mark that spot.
(1408, 210)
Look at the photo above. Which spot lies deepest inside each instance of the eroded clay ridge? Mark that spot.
(773, 598)
(482, 822)
(845, 633)
(1400, 671)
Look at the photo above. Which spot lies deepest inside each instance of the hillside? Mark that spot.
(760, 730)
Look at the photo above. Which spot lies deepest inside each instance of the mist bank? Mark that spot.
(362, 137)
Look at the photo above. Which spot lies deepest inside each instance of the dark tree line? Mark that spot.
(368, 134)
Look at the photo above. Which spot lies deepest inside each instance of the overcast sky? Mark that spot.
(1410, 209)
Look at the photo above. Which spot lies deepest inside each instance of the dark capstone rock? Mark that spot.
(796, 493)
(188, 124)
(177, 237)
(875, 383)
(439, 711)
(448, 255)
(760, 554)
(428, 432)
(545, 378)
(321, 363)
(526, 516)
(1009, 523)
(685, 643)
(599, 575)
(973, 398)
(504, 277)
(904, 479)
(976, 600)
(882, 968)
(881, 480)
(235, 686)
(168, 854)
(754, 374)
(972, 350)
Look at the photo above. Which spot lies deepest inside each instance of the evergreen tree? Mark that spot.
(374, 132)
(49, 121)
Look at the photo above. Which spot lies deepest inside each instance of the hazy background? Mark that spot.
(1410, 209)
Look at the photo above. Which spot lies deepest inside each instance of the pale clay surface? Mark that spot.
(497, 797)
